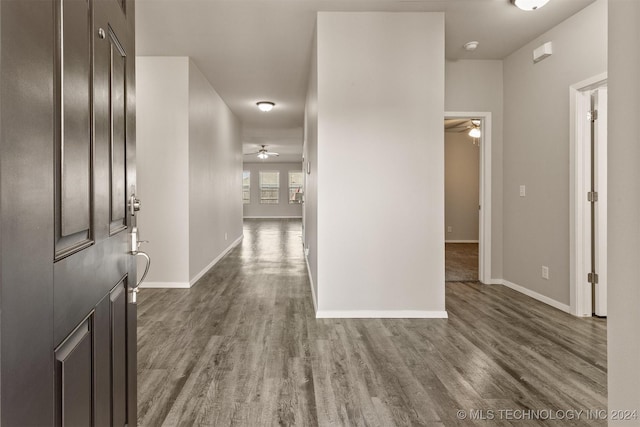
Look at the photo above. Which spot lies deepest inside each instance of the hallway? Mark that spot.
(243, 347)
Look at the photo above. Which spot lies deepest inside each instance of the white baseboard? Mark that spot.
(187, 285)
(167, 285)
(535, 295)
(380, 314)
(462, 241)
(313, 290)
(215, 261)
(271, 217)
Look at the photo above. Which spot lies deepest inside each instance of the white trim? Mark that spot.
(484, 214)
(461, 241)
(187, 285)
(272, 217)
(381, 314)
(579, 217)
(542, 298)
(165, 285)
(215, 261)
(313, 291)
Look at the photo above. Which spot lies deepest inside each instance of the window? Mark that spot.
(269, 187)
(246, 187)
(295, 186)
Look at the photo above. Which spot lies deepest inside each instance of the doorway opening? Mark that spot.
(589, 197)
(468, 196)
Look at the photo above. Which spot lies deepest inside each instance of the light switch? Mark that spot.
(545, 272)
(523, 191)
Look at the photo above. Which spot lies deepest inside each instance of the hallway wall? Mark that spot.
(536, 149)
(624, 208)
(380, 146)
(162, 137)
(215, 174)
(189, 171)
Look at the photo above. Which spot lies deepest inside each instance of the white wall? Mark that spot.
(380, 136)
(310, 155)
(162, 147)
(536, 149)
(215, 174)
(189, 157)
(477, 86)
(284, 209)
(624, 208)
(461, 186)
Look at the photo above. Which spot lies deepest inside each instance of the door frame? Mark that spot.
(484, 213)
(580, 168)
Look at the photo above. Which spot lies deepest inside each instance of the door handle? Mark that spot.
(134, 291)
(135, 246)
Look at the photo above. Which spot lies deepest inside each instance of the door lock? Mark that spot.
(134, 205)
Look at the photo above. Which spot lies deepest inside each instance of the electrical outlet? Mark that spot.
(545, 272)
(449, 229)
(523, 190)
(225, 236)
(306, 251)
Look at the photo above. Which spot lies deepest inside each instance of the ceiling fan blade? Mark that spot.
(271, 153)
(250, 154)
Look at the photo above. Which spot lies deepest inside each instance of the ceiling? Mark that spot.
(252, 50)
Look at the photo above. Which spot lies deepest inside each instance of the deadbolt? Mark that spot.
(134, 205)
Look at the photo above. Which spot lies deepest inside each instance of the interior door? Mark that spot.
(67, 172)
(599, 219)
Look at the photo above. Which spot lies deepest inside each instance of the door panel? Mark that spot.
(117, 130)
(73, 378)
(76, 122)
(73, 154)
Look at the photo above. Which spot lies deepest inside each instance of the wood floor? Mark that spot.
(460, 262)
(242, 347)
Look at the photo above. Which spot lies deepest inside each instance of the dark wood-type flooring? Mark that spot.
(461, 262)
(242, 347)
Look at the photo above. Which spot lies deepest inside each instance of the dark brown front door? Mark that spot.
(67, 172)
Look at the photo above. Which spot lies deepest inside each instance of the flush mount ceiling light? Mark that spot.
(529, 4)
(265, 105)
(471, 46)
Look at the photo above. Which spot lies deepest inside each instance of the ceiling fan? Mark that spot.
(263, 153)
